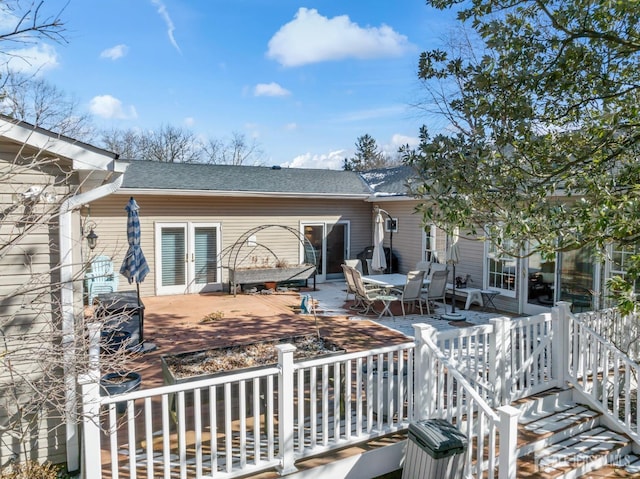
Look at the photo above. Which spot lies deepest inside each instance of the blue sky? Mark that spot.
(304, 79)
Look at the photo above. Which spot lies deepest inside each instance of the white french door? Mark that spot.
(187, 258)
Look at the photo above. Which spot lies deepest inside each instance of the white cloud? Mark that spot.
(330, 161)
(106, 106)
(312, 38)
(164, 13)
(189, 121)
(116, 52)
(31, 60)
(399, 140)
(291, 126)
(270, 89)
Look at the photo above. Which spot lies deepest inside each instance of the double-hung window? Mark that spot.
(501, 268)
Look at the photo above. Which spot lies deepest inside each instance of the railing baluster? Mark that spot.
(213, 428)
(313, 409)
(359, 396)
(166, 444)
(197, 425)
(256, 419)
(228, 431)
(369, 383)
(148, 435)
(301, 416)
(337, 398)
(325, 405)
(348, 380)
(113, 436)
(390, 389)
(182, 434)
(242, 416)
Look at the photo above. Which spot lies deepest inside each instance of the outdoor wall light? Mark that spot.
(91, 236)
(92, 239)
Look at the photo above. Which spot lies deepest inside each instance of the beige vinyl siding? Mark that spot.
(29, 258)
(235, 216)
(407, 241)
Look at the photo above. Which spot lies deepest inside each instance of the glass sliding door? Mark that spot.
(539, 292)
(187, 258)
(577, 279)
(330, 242)
(337, 251)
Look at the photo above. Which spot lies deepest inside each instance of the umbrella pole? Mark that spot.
(140, 313)
(453, 300)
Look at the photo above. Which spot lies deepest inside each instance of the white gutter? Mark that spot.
(66, 242)
(242, 194)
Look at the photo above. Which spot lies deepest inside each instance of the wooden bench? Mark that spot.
(472, 295)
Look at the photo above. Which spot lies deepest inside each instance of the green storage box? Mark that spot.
(434, 450)
(439, 438)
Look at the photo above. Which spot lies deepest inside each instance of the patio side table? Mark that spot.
(387, 301)
(488, 295)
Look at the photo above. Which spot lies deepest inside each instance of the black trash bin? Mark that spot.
(435, 449)
(124, 314)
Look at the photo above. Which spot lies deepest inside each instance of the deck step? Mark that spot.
(559, 439)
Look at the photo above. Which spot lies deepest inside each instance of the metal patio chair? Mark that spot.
(437, 289)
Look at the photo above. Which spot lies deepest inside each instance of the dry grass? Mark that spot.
(244, 356)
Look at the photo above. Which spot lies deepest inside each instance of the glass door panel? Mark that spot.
(172, 277)
(577, 279)
(315, 235)
(330, 242)
(336, 250)
(540, 285)
(206, 272)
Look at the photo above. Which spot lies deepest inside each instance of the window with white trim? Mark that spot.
(501, 268)
(620, 260)
(429, 252)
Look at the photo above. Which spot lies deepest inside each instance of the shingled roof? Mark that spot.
(159, 176)
(392, 181)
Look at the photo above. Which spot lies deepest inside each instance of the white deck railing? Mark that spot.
(602, 374)
(250, 421)
(246, 422)
(447, 394)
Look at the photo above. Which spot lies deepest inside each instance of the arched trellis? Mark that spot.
(245, 247)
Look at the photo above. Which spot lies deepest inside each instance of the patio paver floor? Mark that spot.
(174, 324)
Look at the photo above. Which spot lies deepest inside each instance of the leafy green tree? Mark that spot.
(367, 156)
(544, 119)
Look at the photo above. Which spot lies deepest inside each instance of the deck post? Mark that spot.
(561, 343)
(91, 456)
(425, 389)
(498, 355)
(508, 432)
(286, 409)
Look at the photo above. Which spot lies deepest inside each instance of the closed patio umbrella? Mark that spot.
(378, 260)
(453, 258)
(134, 267)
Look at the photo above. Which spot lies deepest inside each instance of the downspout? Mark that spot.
(66, 242)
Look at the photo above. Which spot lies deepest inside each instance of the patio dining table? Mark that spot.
(388, 281)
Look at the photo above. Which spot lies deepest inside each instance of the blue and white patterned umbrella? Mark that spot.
(134, 267)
